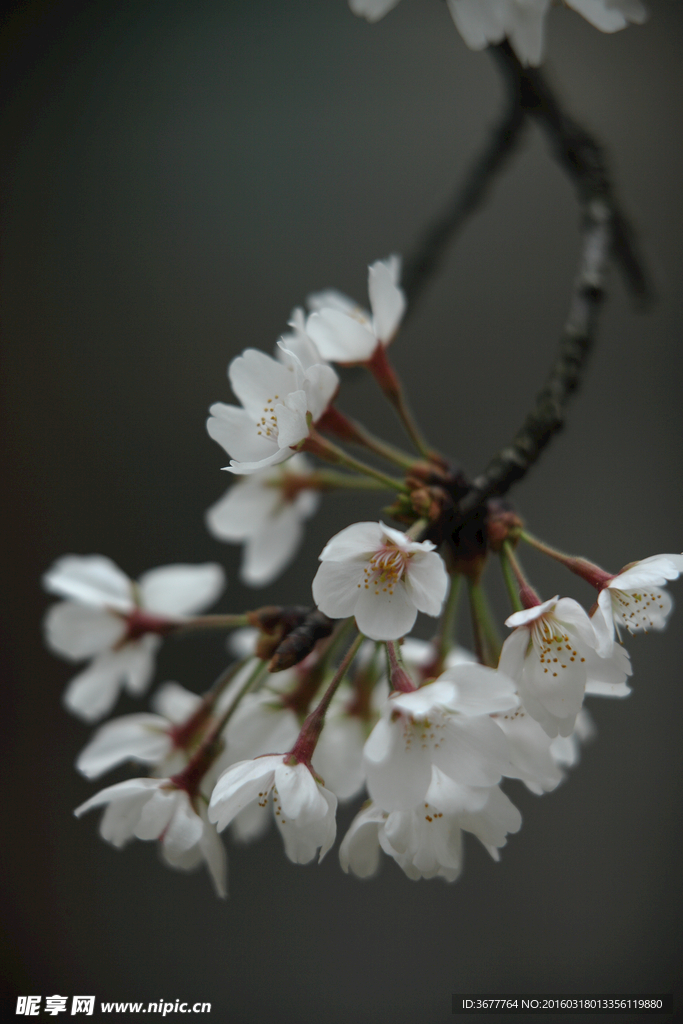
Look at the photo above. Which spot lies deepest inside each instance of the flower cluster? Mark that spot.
(336, 701)
(305, 718)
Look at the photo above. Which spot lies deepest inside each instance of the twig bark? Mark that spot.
(421, 265)
(606, 234)
(581, 157)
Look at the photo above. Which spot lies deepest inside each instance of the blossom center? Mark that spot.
(637, 609)
(552, 643)
(385, 569)
(423, 733)
(267, 425)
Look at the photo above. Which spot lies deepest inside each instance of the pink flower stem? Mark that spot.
(212, 622)
(184, 735)
(486, 642)
(398, 676)
(593, 574)
(387, 378)
(342, 428)
(527, 595)
(302, 751)
(318, 445)
(191, 776)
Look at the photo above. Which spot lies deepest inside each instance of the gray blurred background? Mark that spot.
(176, 177)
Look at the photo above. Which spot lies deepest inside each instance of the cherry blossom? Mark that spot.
(118, 623)
(163, 740)
(551, 655)
(482, 22)
(278, 396)
(345, 333)
(382, 577)
(634, 598)
(304, 809)
(426, 840)
(445, 725)
(266, 511)
(158, 809)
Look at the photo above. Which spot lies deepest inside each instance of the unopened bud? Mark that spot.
(300, 641)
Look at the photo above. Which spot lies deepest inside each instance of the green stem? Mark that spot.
(259, 672)
(211, 746)
(593, 574)
(480, 624)
(302, 751)
(491, 634)
(388, 380)
(410, 424)
(527, 595)
(509, 577)
(212, 622)
(327, 479)
(418, 527)
(325, 449)
(383, 448)
(445, 637)
(341, 632)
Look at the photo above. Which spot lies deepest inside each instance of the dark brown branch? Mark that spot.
(606, 235)
(548, 414)
(581, 158)
(421, 265)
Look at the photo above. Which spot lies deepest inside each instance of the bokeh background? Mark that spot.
(176, 177)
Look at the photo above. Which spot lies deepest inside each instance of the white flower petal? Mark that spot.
(338, 755)
(93, 692)
(291, 419)
(245, 509)
(251, 823)
(156, 814)
(181, 589)
(479, 22)
(267, 553)
(321, 384)
(359, 850)
(479, 690)
(528, 615)
(235, 431)
(371, 10)
(387, 300)
(341, 338)
(214, 854)
(427, 582)
(91, 579)
(141, 738)
(185, 828)
(241, 784)
(602, 15)
(80, 631)
(120, 791)
(335, 588)
(383, 616)
(299, 793)
(473, 751)
(653, 570)
(136, 659)
(260, 381)
(354, 542)
(175, 703)
(242, 468)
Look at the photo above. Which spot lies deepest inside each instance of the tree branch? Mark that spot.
(581, 157)
(421, 265)
(606, 234)
(548, 414)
